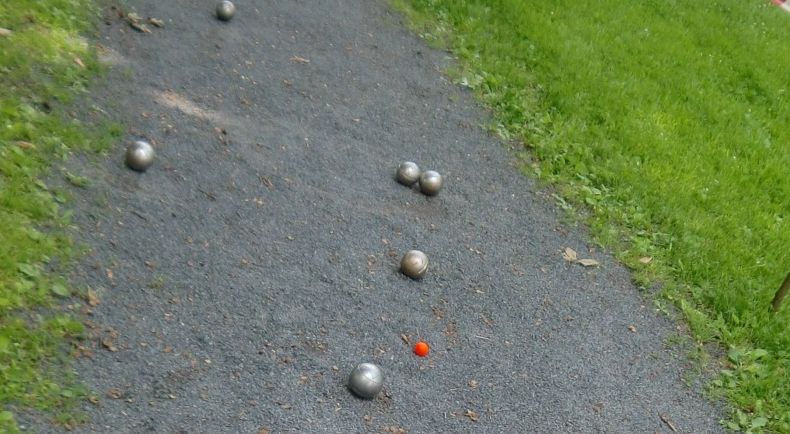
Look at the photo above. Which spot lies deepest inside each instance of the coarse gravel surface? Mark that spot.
(243, 276)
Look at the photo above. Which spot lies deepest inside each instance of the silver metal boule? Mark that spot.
(414, 264)
(408, 173)
(430, 182)
(366, 380)
(139, 155)
(225, 10)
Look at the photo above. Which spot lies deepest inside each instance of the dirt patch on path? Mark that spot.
(244, 275)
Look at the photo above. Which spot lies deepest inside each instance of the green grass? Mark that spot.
(44, 64)
(667, 125)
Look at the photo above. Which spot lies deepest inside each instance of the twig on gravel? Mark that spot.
(139, 215)
(668, 421)
(208, 195)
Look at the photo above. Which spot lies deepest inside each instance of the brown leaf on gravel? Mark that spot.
(142, 28)
(157, 22)
(264, 430)
(588, 262)
(569, 254)
(298, 59)
(632, 329)
(115, 393)
(135, 22)
(472, 415)
(267, 182)
(93, 300)
(473, 384)
(82, 351)
(109, 344)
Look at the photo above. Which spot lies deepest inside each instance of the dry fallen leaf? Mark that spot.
(157, 22)
(93, 300)
(472, 415)
(588, 262)
(645, 259)
(569, 254)
(632, 329)
(135, 22)
(115, 393)
(79, 63)
(140, 27)
(473, 384)
(109, 344)
(299, 59)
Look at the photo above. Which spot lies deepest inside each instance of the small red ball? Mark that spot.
(421, 349)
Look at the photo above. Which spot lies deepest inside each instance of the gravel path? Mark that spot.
(243, 276)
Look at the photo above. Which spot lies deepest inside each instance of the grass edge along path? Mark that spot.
(664, 124)
(44, 64)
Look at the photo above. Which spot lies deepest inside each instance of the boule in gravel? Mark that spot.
(139, 155)
(414, 264)
(366, 380)
(408, 173)
(430, 182)
(225, 10)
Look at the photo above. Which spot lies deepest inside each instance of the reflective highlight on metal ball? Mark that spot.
(139, 156)
(408, 173)
(225, 10)
(414, 264)
(366, 380)
(430, 182)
